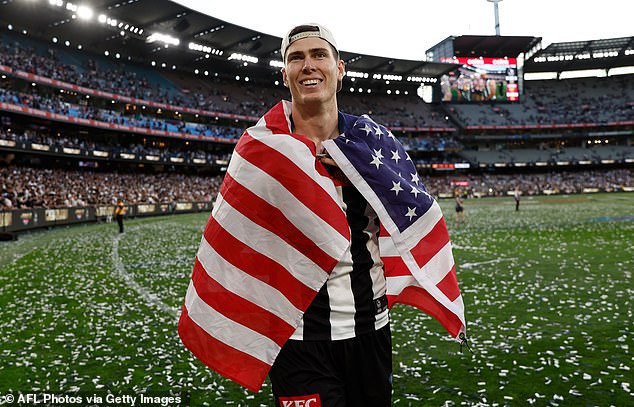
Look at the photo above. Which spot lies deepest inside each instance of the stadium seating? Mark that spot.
(215, 110)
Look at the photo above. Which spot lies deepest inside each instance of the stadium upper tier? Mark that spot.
(210, 97)
(81, 89)
(595, 101)
(592, 101)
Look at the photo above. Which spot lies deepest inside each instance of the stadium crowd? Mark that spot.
(573, 101)
(30, 137)
(598, 100)
(29, 187)
(211, 94)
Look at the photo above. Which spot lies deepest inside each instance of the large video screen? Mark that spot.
(481, 80)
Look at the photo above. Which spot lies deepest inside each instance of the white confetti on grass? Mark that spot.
(149, 297)
(555, 311)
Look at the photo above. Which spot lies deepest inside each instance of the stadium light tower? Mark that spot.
(497, 15)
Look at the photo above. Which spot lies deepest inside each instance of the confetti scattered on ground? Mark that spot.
(547, 292)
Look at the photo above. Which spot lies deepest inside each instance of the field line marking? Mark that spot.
(149, 297)
(470, 265)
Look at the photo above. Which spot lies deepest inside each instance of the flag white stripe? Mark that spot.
(412, 235)
(425, 282)
(245, 285)
(387, 248)
(438, 266)
(277, 249)
(396, 285)
(228, 331)
(298, 153)
(270, 190)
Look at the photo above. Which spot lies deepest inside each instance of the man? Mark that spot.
(119, 212)
(459, 207)
(342, 347)
(517, 195)
(288, 280)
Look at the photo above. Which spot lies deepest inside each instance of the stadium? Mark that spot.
(145, 101)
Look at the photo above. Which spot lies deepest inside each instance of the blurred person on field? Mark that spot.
(119, 213)
(516, 196)
(459, 208)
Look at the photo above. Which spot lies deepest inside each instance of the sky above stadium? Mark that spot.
(405, 29)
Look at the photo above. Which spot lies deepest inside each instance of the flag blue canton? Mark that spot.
(385, 165)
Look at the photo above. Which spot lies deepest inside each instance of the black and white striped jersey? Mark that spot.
(353, 301)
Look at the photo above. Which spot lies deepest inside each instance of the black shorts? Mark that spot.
(459, 209)
(348, 372)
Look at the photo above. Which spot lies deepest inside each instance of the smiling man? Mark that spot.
(289, 280)
(340, 354)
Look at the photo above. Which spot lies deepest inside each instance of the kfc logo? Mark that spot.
(311, 400)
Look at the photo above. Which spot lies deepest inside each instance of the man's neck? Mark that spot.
(318, 124)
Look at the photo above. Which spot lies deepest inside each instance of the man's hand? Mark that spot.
(325, 159)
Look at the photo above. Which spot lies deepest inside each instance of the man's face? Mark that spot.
(312, 70)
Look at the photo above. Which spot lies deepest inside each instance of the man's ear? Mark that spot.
(284, 77)
(341, 67)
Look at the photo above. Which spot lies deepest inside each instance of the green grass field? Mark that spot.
(547, 290)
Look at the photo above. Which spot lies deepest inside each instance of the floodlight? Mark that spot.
(164, 38)
(535, 76)
(85, 13)
(621, 70)
(583, 73)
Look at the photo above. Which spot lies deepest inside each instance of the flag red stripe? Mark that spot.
(421, 299)
(239, 309)
(274, 220)
(395, 266)
(295, 180)
(259, 266)
(276, 120)
(238, 366)
(449, 285)
(431, 244)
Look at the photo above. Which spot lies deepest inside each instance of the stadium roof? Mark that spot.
(119, 32)
(577, 55)
(493, 46)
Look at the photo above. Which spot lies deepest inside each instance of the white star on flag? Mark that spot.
(376, 161)
(411, 213)
(378, 153)
(367, 129)
(379, 132)
(415, 178)
(395, 156)
(396, 187)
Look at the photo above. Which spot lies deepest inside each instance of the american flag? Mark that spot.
(414, 242)
(278, 229)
